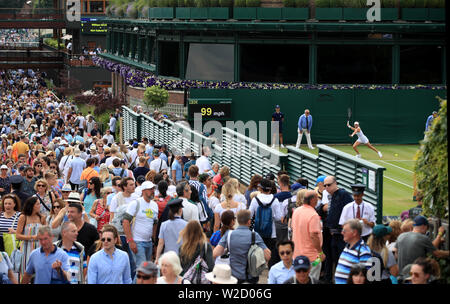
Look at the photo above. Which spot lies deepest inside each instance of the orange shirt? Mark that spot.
(22, 148)
(305, 220)
(88, 173)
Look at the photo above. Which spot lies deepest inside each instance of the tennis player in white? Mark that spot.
(362, 139)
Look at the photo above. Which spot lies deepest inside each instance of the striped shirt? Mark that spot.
(6, 223)
(359, 253)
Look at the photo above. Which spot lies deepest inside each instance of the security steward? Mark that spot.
(16, 183)
(360, 210)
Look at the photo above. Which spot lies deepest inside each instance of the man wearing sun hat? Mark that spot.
(359, 210)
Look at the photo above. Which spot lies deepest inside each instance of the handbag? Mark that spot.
(93, 221)
(9, 239)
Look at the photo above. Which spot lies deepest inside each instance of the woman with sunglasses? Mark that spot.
(54, 168)
(100, 210)
(38, 168)
(44, 196)
(57, 205)
(91, 194)
(5, 183)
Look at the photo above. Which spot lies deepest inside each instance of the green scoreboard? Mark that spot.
(210, 109)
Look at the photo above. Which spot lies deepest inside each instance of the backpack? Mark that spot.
(291, 207)
(60, 155)
(196, 274)
(256, 263)
(263, 219)
(120, 212)
(206, 207)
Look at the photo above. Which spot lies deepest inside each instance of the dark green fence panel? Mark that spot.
(302, 164)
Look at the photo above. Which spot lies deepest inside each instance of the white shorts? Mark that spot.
(363, 140)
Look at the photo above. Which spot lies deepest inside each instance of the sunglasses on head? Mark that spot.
(145, 277)
(106, 239)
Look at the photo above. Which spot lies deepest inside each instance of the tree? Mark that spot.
(156, 96)
(431, 166)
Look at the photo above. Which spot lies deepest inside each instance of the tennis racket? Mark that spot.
(349, 114)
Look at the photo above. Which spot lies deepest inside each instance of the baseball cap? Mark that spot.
(301, 262)
(270, 176)
(16, 179)
(175, 203)
(4, 167)
(148, 268)
(277, 106)
(420, 220)
(265, 184)
(140, 179)
(147, 185)
(381, 230)
(320, 179)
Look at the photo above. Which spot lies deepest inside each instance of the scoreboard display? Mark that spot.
(93, 26)
(210, 109)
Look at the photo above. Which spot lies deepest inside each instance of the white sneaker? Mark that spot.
(379, 154)
(358, 155)
(312, 148)
(282, 146)
(297, 147)
(273, 146)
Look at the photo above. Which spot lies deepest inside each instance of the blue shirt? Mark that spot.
(163, 156)
(169, 232)
(78, 138)
(429, 122)
(178, 171)
(279, 274)
(302, 122)
(68, 137)
(41, 265)
(240, 241)
(104, 270)
(359, 253)
(77, 164)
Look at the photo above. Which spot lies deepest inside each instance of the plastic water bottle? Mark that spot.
(316, 262)
(73, 277)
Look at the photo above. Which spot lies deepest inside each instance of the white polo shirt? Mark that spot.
(366, 210)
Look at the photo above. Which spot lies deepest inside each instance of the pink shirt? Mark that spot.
(305, 220)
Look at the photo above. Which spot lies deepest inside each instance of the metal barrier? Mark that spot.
(247, 157)
(302, 164)
(350, 170)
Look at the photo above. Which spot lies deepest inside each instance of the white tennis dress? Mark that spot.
(361, 137)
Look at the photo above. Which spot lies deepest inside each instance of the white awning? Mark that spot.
(66, 37)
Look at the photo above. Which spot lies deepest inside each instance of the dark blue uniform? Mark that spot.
(278, 117)
(334, 243)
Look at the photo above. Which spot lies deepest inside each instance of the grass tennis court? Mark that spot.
(398, 177)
